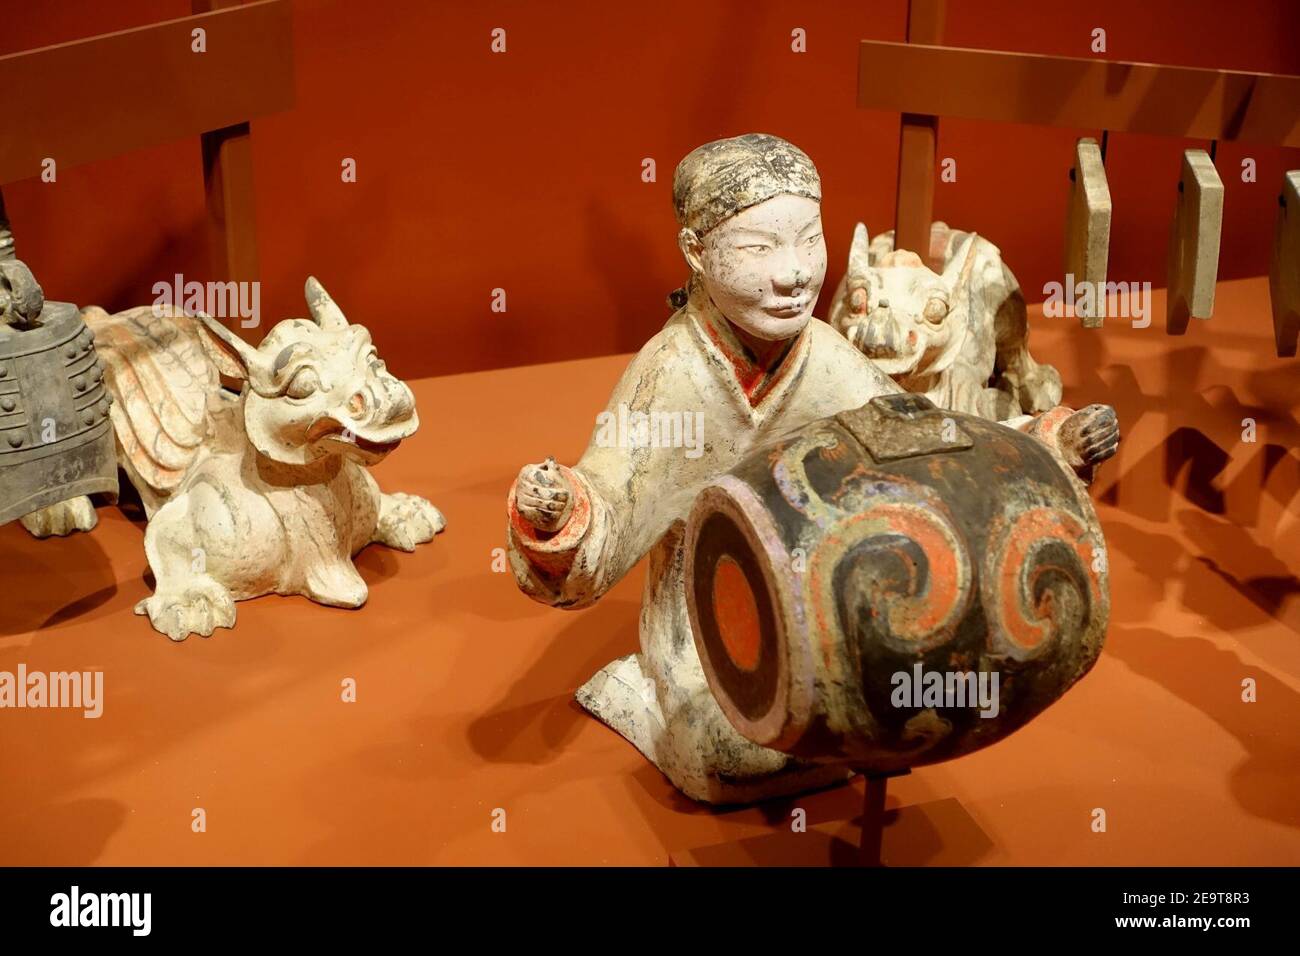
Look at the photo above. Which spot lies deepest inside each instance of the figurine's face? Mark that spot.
(327, 393)
(901, 309)
(319, 390)
(764, 267)
(900, 314)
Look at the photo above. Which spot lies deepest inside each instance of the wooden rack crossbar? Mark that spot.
(1081, 93)
(91, 99)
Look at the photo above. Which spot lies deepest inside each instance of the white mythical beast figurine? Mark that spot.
(960, 338)
(264, 492)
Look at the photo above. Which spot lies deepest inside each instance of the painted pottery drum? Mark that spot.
(894, 586)
(56, 441)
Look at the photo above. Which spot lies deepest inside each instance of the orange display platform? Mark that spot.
(464, 687)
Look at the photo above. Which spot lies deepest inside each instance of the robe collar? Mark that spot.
(758, 393)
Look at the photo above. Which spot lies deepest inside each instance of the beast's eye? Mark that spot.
(305, 381)
(374, 361)
(936, 310)
(813, 239)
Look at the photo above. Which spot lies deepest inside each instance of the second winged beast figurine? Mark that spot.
(264, 492)
(961, 338)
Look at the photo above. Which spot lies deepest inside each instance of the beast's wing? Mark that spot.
(161, 380)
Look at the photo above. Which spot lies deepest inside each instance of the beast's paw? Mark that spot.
(200, 607)
(65, 517)
(407, 520)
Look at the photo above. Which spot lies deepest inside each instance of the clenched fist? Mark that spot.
(543, 496)
(1089, 436)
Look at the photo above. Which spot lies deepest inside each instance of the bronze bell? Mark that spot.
(56, 439)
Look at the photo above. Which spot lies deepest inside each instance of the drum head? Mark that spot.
(743, 614)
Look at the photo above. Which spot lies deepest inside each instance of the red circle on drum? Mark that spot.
(735, 609)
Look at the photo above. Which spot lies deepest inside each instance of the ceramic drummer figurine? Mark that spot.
(264, 492)
(740, 362)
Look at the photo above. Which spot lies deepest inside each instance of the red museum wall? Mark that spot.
(521, 171)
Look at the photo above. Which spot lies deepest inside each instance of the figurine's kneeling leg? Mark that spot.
(406, 520)
(693, 743)
(64, 517)
(624, 698)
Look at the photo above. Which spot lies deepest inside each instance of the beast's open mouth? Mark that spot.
(881, 352)
(370, 447)
(895, 366)
(328, 429)
(881, 345)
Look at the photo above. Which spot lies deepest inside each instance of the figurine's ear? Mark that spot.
(232, 356)
(957, 277)
(957, 273)
(692, 246)
(322, 308)
(859, 252)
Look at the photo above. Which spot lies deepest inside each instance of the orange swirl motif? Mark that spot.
(924, 615)
(1028, 608)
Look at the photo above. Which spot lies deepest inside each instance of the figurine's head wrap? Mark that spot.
(722, 178)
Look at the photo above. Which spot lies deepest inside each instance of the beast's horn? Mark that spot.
(322, 308)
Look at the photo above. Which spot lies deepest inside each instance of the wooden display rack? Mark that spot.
(91, 99)
(923, 81)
